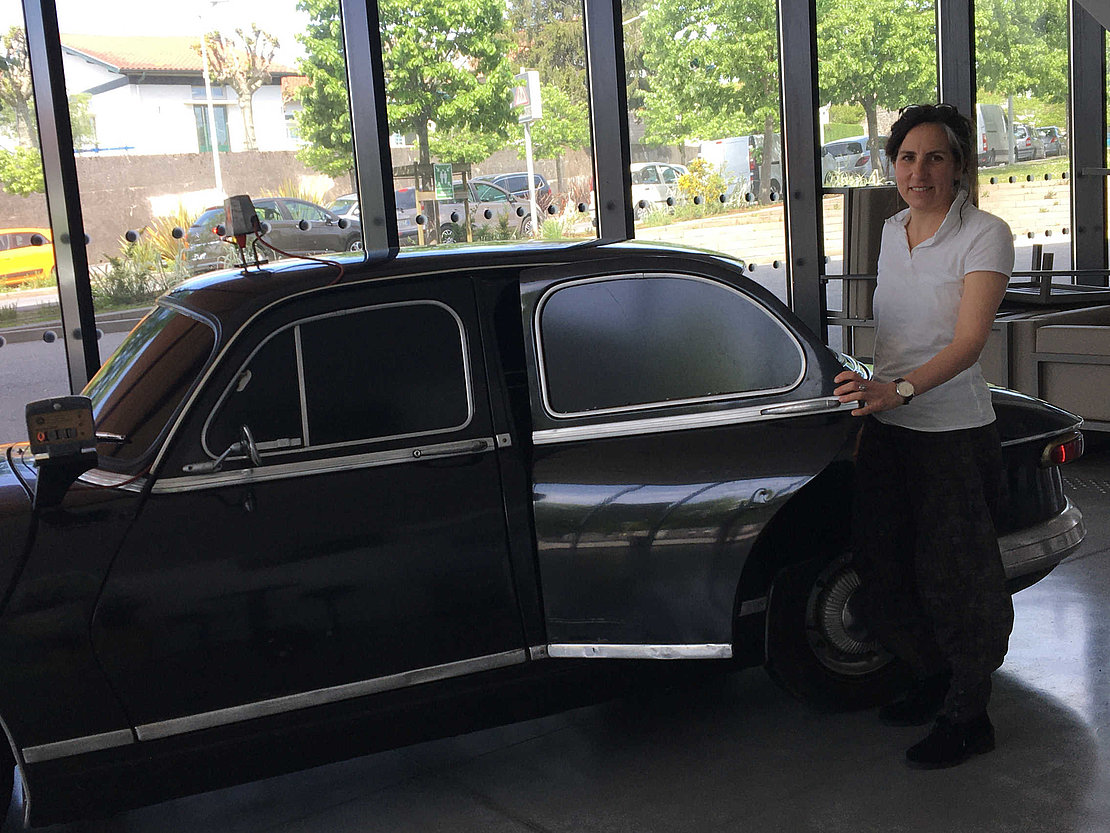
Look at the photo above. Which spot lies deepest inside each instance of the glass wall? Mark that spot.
(489, 120)
(168, 122)
(1022, 73)
(705, 123)
(32, 358)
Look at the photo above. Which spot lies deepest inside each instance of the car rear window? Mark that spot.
(136, 393)
(652, 340)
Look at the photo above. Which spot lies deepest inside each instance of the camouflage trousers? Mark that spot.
(933, 588)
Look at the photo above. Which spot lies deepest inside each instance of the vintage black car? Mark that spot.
(330, 515)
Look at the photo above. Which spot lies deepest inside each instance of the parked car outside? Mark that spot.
(405, 203)
(325, 518)
(490, 208)
(26, 254)
(653, 184)
(205, 251)
(1027, 144)
(516, 183)
(1053, 141)
(853, 156)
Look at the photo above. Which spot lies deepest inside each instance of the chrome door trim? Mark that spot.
(306, 439)
(607, 651)
(276, 705)
(330, 465)
(537, 337)
(77, 746)
(680, 422)
(322, 696)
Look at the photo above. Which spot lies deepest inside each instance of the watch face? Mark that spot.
(904, 388)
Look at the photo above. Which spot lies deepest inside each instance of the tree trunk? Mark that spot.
(770, 153)
(246, 107)
(872, 111)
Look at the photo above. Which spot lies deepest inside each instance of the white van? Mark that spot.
(993, 134)
(735, 157)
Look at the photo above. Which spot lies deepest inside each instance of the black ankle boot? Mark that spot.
(951, 743)
(921, 703)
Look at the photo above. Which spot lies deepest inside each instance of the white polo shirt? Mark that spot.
(917, 301)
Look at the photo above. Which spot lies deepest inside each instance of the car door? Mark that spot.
(676, 407)
(364, 551)
(323, 233)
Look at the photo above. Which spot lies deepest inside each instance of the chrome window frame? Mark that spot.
(306, 440)
(537, 335)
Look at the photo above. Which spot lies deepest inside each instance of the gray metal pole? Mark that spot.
(800, 162)
(1087, 135)
(609, 119)
(956, 54)
(370, 128)
(63, 198)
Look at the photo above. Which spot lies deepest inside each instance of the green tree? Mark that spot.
(1022, 47)
(445, 64)
(713, 66)
(883, 56)
(243, 64)
(325, 121)
(21, 171)
(16, 93)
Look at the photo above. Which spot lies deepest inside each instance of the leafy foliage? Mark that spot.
(713, 66)
(21, 171)
(445, 64)
(565, 125)
(881, 56)
(704, 181)
(137, 275)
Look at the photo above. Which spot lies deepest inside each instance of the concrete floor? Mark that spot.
(737, 754)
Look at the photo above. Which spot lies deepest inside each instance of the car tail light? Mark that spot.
(863, 160)
(1065, 449)
(984, 142)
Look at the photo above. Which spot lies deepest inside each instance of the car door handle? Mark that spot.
(810, 406)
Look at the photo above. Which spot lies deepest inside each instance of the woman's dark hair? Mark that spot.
(956, 125)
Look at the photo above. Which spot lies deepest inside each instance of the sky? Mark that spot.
(182, 17)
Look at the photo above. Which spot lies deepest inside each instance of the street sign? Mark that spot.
(445, 189)
(526, 97)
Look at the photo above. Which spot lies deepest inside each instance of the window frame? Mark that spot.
(306, 446)
(670, 404)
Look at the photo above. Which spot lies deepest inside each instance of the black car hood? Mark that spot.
(16, 481)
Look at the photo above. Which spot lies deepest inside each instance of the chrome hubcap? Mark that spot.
(834, 630)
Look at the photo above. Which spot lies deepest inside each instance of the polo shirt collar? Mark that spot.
(952, 218)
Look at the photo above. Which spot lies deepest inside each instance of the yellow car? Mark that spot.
(20, 259)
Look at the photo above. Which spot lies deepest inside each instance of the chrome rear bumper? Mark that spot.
(1044, 545)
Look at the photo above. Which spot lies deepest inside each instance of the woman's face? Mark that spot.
(926, 169)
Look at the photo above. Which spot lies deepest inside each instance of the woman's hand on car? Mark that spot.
(871, 396)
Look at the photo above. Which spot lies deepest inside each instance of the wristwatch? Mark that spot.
(904, 389)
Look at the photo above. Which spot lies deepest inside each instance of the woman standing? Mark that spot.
(929, 462)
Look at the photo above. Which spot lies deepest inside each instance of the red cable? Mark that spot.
(336, 264)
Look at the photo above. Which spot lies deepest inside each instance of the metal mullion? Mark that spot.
(1086, 134)
(609, 119)
(370, 127)
(63, 196)
(956, 54)
(797, 23)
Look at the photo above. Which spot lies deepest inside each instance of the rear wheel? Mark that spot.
(817, 647)
(448, 233)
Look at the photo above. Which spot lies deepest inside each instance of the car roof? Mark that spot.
(230, 298)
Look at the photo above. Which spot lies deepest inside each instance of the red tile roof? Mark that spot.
(152, 54)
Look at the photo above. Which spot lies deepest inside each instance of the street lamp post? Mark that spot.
(213, 141)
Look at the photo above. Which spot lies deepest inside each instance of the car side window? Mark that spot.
(371, 374)
(307, 211)
(670, 175)
(642, 341)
